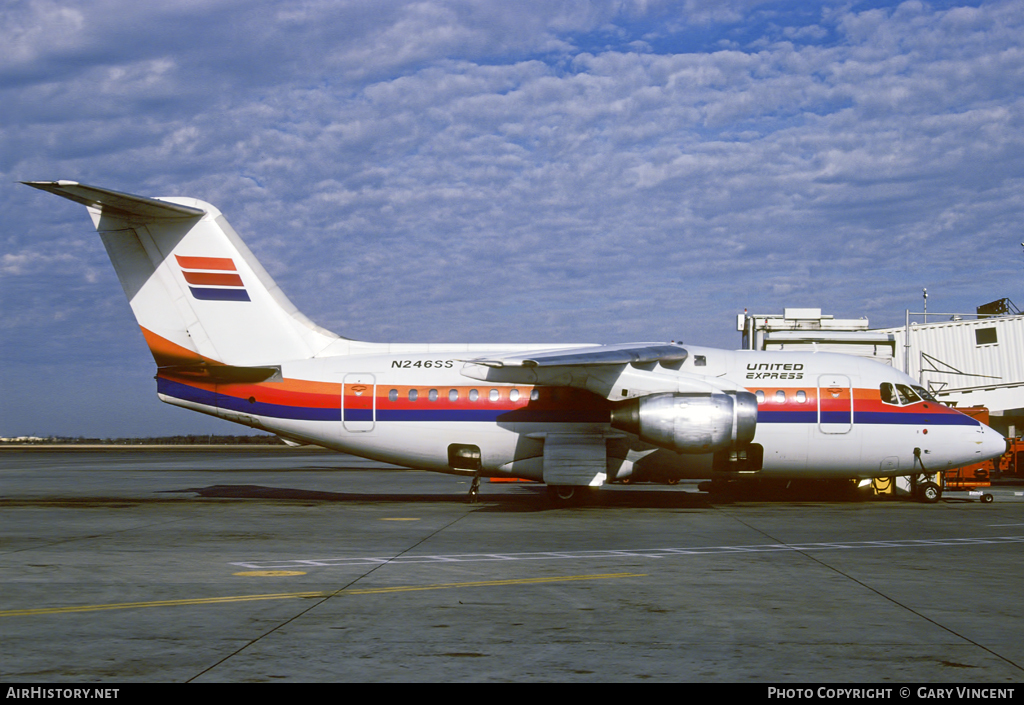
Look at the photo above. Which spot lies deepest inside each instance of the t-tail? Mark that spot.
(203, 301)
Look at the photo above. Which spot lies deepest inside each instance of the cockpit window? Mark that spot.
(925, 394)
(888, 393)
(906, 394)
(902, 395)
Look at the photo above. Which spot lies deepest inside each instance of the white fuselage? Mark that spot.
(819, 415)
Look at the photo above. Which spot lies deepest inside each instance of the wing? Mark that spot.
(654, 396)
(615, 372)
(630, 353)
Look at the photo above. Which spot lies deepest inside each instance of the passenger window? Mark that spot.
(535, 395)
(780, 397)
(413, 394)
(760, 396)
(393, 395)
(473, 395)
(513, 395)
(453, 395)
(494, 395)
(700, 361)
(801, 396)
(432, 395)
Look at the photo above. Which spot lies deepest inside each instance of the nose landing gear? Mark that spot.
(928, 492)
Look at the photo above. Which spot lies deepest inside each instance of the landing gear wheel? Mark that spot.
(987, 498)
(567, 495)
(929, 493)
(563, 493)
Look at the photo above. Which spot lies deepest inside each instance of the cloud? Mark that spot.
(463, 171)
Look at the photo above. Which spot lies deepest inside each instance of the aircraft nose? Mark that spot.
(992, 443)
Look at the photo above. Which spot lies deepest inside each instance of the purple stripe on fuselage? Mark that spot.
(523, 415)
(901, 418)
(187, 392)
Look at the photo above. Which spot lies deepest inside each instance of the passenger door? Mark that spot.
(359, 402)
(835, 404)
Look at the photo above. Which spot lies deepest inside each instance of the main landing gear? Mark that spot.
(562, 493)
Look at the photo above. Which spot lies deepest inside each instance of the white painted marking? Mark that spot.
(624, 553)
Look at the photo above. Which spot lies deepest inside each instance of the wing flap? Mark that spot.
(575, 460)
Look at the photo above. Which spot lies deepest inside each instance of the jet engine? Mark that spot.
(690, 423)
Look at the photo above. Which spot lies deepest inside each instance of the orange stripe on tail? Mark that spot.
(224, 264)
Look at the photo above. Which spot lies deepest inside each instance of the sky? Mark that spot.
(495, 172)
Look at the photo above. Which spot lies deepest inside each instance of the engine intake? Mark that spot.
(690, 423)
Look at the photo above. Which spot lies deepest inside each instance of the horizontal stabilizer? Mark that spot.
(225, 374)
(115, 202)
(631, 353)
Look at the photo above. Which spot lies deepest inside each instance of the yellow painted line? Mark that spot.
(492, 583)
(301, 595)
(270, 573)
(400, 519)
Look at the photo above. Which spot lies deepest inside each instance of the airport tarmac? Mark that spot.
(280, 565)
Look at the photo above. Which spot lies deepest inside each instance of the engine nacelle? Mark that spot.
(690, 423)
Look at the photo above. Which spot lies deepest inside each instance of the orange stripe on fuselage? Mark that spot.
(865, 399)
(288, 392)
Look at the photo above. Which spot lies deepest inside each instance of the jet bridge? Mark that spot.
(963, 359)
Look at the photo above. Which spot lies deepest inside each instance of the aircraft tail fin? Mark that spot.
(198, 293)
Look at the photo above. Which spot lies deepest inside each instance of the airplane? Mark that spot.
(227, 342)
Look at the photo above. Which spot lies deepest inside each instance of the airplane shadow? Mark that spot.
(526, 499)
(529, 497)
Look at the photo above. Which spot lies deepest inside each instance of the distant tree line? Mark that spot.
(189, 440)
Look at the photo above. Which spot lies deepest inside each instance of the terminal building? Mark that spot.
(965, 360)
